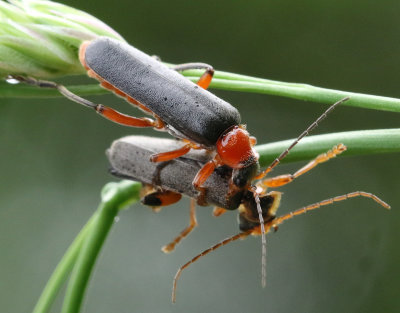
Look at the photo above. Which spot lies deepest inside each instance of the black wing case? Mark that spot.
(194, 112)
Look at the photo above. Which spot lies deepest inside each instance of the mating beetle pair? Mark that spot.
(203, 122)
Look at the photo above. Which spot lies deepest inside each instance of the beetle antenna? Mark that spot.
(279, 220)
(263, 241)
(303, 134)
(205, 252)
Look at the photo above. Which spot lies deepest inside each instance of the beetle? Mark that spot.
(129, 158)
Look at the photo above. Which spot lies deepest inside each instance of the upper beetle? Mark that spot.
(184, 109)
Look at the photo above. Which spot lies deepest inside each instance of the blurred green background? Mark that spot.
(340, 259)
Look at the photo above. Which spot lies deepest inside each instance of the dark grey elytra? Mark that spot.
(129, 158)
(190, 111)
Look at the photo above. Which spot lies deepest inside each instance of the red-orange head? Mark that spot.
(234, 148)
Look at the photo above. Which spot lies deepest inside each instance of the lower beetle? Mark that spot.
(165, 182)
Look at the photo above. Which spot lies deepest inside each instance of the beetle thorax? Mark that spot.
(234, 148)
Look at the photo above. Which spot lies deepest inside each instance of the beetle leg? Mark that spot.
(103, 110)
(253, 141)
(134, 122)
(105, 84)
(219, 211)
(157, 199)
(52, 85)
(170, 155)
(288, 178)
(205, 79)
(202, 175)
(192, 224)
(205, 172)
(124, 119)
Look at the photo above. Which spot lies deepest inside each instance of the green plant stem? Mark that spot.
(311, 93)
(87, 257)
(357, 142)
(62, 270)
(115, 196)
(235, 82)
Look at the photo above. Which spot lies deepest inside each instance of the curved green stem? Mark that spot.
(115, 196)
(311, 93)
(62, 270)
(87, 257)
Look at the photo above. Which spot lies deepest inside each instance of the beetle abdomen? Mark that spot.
(196, 113)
